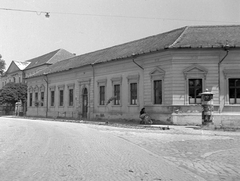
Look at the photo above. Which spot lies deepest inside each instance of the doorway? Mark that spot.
(85, 103)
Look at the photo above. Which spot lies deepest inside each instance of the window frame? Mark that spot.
(61, 98)
(61, 95)
(196, 100)
(154, 93)
(230, 74)
(52, 99)
(102, 83)
(102, 95)
(157, 74)
(36, 97)
(117, 81)
(52, 96)
(116, 93)
(132, 79)
(30, 99)
(194, 72)
(42, 96)
(30, 92)
(71, 97)
(133, 93)
(235, 87)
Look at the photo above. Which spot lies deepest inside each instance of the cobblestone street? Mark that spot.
(213, 155)
(51, 150)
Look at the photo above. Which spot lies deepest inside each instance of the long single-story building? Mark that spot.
(164, 73)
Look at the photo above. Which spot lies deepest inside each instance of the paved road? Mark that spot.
(212, 155)
(32, 150)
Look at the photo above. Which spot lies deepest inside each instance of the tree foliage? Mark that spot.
(13, 92)
(2, 65)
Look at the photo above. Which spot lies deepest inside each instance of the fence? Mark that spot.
(7, 110)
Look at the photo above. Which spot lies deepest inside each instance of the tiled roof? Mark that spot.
(152, 43)
(209, 36)
(186, 37)
(49, 58)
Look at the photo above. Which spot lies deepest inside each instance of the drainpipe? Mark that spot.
(226, 48)
(133, 57)
(46, 80)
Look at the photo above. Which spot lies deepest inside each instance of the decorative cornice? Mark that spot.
(231, 73)
(195, 69)
(157, 72)
(84, 81)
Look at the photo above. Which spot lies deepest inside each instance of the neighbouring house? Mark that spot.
(18, 71)
(39, 63)
(14, 73)
(164, 73)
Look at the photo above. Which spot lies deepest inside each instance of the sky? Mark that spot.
(83, 26)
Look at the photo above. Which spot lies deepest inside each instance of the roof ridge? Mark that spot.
(180, 36)
(57, 51)
(136, 40)
(29, 60)
(204, 26)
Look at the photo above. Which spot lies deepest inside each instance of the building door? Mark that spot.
(85, 103)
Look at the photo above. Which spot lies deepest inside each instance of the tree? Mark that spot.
(2, 65)
(13, 92)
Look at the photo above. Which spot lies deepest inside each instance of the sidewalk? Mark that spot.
(177, 129)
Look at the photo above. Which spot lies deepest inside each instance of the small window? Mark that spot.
(133, 93)
(36, 96)
(234, 91)
(42, 98)
(117, 94)
(52, 98)
(195, 88)
(157, 91)
(70, 97)
(30, 99)
(60, 97)
(102, 95)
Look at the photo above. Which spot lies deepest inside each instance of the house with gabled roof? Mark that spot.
(164, 73)
(14, 73)
(39, 63)
(17, 71)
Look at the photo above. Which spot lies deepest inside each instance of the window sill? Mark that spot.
(130, 105)
(117, 105)
(102, 105)
(156, 105)
(232, 105)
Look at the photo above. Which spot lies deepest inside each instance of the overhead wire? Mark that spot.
(47, 14)
(24, 10)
